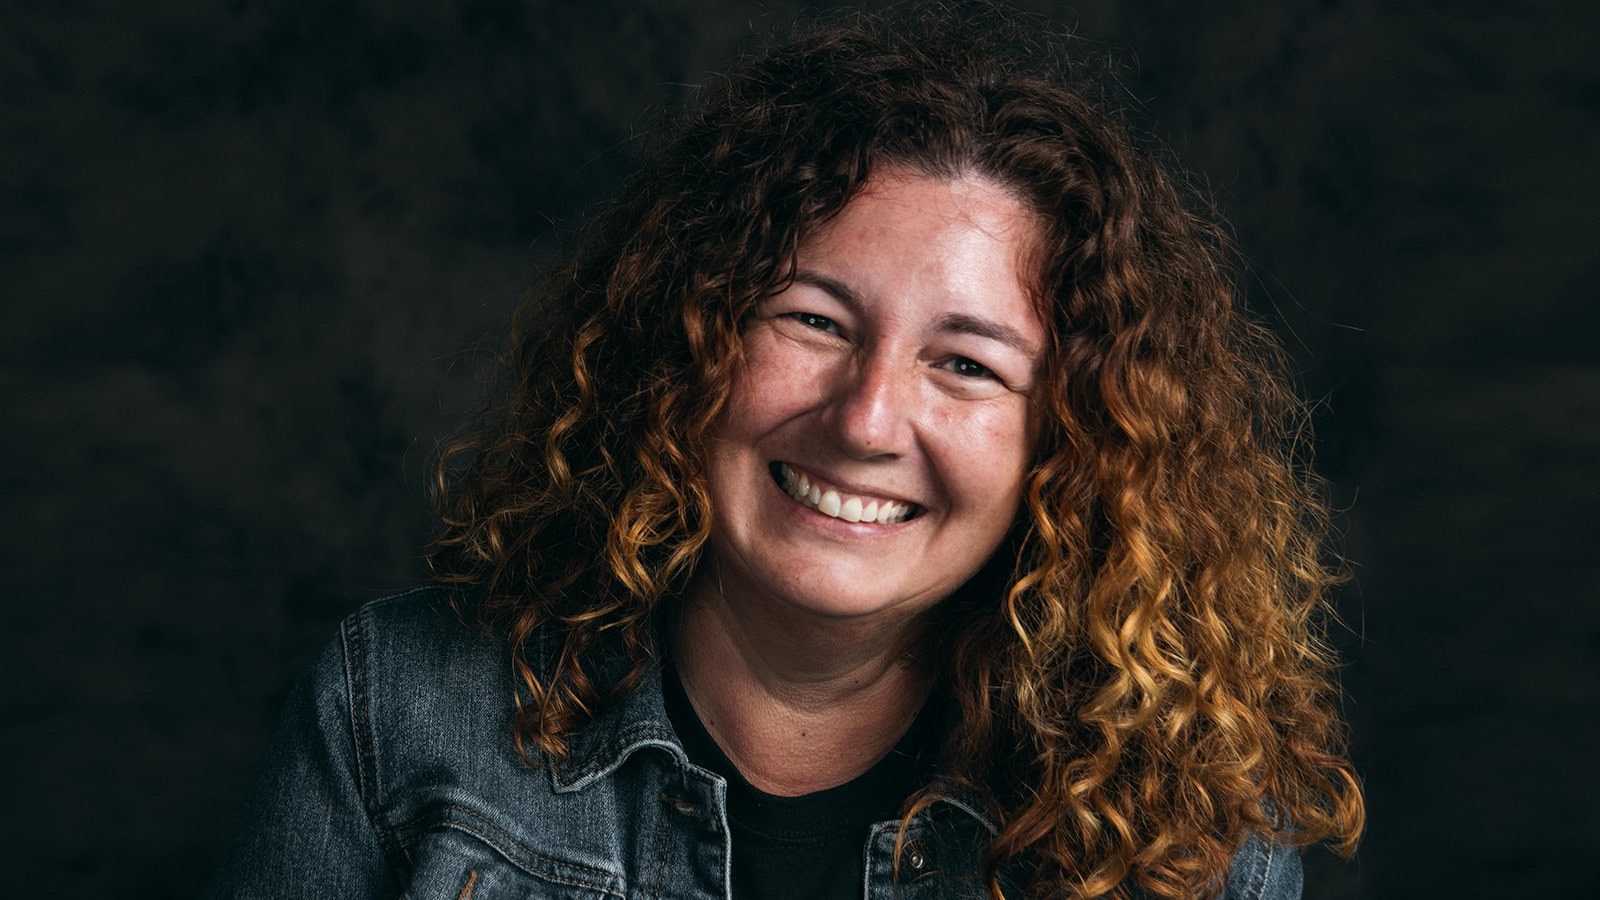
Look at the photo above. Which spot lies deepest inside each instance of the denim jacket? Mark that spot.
(392, 774)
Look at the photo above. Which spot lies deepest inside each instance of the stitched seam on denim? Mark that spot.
(657, 850)
(354, 633)
(428, 821)
(607, 757)
(1255, 883)
(355, 697)
(723, 853)
(868, 857)
(358, 697)
(1266, 871)
(619, 742)
(544, 874)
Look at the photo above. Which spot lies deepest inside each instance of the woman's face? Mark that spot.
(873, 451)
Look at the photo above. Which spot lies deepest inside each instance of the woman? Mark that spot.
(886, 498)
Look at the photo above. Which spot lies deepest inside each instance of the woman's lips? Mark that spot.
(839, 504)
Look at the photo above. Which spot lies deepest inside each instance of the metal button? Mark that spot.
(915, 859)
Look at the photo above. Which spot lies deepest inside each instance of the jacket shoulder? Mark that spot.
(417, 636)
(1264, 870)
(424, 606)
(428, 691)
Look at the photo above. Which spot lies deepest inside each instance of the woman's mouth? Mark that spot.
(833, 503)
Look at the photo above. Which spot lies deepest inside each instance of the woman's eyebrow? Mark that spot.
(837, 288)
(951, 323)
(962, 323)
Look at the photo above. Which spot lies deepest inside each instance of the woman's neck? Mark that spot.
(798, 704)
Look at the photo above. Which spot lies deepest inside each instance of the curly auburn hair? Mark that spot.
(1142, 681)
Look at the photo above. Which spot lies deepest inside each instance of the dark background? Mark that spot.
(251, 256)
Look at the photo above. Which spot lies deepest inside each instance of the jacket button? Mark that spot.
(915, 858)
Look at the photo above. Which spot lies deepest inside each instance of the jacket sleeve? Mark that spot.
(305, 830)
(1263, 870)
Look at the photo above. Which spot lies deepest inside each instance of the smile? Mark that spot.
(848, 507)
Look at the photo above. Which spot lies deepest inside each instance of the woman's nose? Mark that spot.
(870, 413)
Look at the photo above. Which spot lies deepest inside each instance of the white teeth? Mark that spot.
(851, 510)
(829, 503)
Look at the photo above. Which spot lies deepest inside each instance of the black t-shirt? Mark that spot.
(811, 847)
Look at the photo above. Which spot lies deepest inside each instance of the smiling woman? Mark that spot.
(870, 458)
(865, 382)
(885, 499)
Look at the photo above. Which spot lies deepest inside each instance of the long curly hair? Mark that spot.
(1142, 680)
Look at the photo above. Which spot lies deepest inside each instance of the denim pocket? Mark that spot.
(458, 861)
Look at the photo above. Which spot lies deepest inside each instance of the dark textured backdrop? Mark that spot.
(247, 254)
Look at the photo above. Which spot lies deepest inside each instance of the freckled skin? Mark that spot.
(857, 374)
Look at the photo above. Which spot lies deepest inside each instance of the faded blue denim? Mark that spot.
(392, 774)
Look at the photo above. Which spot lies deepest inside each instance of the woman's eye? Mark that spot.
(969, 369)
(812, 320)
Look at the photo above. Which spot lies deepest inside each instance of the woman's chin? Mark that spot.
(853, 602)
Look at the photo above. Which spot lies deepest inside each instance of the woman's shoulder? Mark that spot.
(418, 654)
(419, 624)
(428, 699)
(409, 680)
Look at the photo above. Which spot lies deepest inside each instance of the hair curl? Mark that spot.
(1147, 682)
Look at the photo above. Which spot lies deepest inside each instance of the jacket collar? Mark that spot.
(635, 722)
(639, 720)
